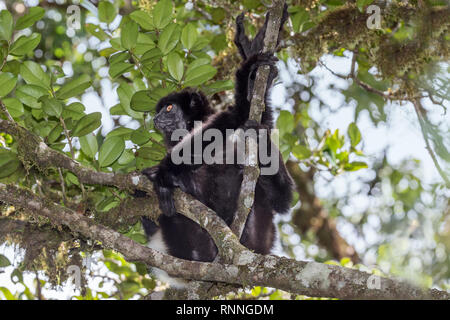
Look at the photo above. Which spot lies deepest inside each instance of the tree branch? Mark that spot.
(251, 172)
(34, 151)
(418, 108)
(305, 278)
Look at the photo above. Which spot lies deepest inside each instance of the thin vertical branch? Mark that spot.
(251, 172)
(63, 186)
(69, 139)
(5, 111)
(420, 116)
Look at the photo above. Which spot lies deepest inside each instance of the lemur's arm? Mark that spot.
(166, 175)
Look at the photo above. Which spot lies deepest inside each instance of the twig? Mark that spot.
(69, 139)
(420, 116)
(38, 287)
(5, 111)
(63, 186)
(352, 75)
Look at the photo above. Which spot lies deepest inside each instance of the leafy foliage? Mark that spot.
(53, 78)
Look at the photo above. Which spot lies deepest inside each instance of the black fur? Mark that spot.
(217, 185)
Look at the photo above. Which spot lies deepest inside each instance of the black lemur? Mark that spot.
(216, 185)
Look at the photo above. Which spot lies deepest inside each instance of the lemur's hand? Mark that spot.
(256, 61)
(251, 124)
(164, 193)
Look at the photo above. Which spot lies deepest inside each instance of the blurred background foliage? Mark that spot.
(361, 113)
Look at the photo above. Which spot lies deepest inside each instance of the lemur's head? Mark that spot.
(179, 110)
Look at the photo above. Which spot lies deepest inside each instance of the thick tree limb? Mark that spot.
(35, 152)
(247, 268)
(306, 278)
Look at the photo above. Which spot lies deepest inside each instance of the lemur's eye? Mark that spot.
(169, 107)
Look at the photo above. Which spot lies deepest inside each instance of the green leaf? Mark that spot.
(7, 83)
(119, 57)
(150, 153)
(96, 31)
(189, 36)
(218, 86)
(301, 152)
(299, 19)
(362, 3)
(125, 93)
(150, 57)
(74, 87)
(106, 11)
(126, 157)
(6, 25)
(29, 94)
(8, 163)
(55, 133)
(74, 111)
(32, 73)
(200, 43)
(87, 124)
(4, 261)
(14, 106)
(24, 44)
(169, 38)
(175, 66)
(140, 136)
(141, 102)
(335, 2)
(129, 34)
(110, 151)
(162, 14)
(123, 132)
(89, 145)
(72, 179)
(8, 295)
(335, 142)
(120, 68)
(34, 14)
(285, 122)
(52, 106)
(18, 274)
(354, 166)
(354, 134)
(197, 63)
(144, 43)
(199, 75)
(117, 110)
(143, 19)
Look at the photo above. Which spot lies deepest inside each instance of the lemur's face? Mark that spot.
(170, 118)
(180, 110)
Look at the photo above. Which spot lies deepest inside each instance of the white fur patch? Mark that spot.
(157, 242)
